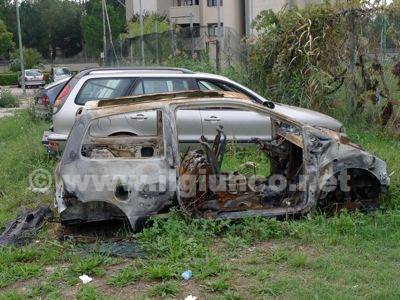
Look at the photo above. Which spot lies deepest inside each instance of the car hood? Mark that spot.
(309, 117)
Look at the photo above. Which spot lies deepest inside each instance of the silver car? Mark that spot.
(108, 173)
(95, 84)
(33, 77)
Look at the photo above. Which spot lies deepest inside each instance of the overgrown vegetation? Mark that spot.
(313, 56)
(298, 55)
(8, 100)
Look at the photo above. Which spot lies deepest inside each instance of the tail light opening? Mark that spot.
(63, 95)
(46, 100)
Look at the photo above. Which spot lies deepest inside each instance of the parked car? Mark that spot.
(45, 97)
(105, 83)
(59, 73)
(107, 173)
(33, 77)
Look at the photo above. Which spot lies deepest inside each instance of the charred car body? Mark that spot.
(107, 173)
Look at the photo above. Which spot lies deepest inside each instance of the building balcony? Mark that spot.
(184, 14)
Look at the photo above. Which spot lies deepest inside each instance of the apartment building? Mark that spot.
(197, 12)
(207, 13)
(132, 7)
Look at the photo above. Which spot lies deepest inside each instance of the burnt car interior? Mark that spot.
(220, 177)
(105, 140)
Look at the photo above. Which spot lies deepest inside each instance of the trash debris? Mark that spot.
(85, 279)
(22, 230)
(190, 297)
(187, 275)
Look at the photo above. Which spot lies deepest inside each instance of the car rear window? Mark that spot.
(102, 88)
(161, 85)
(33, 73)
(61, 71)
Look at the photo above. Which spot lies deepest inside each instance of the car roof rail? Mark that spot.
(89, 71)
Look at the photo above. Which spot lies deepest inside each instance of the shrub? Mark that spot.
(8, 100)
(297, 54)
(32, 58)
(8, 79)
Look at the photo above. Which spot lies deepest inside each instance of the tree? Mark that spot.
(46, 24)
(149, 25)
(92, 26)
(62, 19)
(6, 40)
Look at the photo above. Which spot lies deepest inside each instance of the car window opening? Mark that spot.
(105, 140)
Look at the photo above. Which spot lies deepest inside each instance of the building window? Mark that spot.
(188, 2)
(213, 2)
(213, 29)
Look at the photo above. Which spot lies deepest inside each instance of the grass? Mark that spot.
(20, 144)
(344, 256)
(165, 290)
(125, 277)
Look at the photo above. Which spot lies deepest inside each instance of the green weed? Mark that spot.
(165, 289)
(125, 276)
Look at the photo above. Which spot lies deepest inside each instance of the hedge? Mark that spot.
(8, 79)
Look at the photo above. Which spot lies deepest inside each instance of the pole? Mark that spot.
(171, 27)
(352, 57)
(21, 53)
(141, 32)
(104, 33)
(383, 33)
(219, 17)
(157, 44)
(191, 33)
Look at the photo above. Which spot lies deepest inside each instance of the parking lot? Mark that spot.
(16, 91)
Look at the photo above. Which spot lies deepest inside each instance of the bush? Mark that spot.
(8, 79)
(32, 59)
(8, 100)
(297, 54)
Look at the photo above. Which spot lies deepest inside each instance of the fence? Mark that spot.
(194, 42)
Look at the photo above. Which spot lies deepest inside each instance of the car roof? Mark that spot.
(151, 74)
(131, 70)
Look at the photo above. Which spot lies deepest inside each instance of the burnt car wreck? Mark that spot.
(109, 172)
